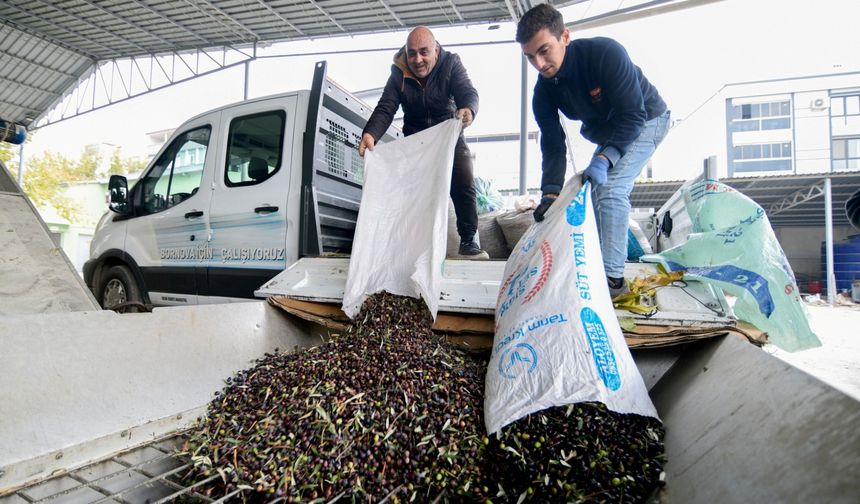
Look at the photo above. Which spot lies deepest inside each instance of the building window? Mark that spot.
(846, 154)
(844, 106)
(761, 116)
(762, 157)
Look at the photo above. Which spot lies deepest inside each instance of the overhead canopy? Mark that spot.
(47, 47)
(789, 200)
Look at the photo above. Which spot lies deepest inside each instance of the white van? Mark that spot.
(236, 195)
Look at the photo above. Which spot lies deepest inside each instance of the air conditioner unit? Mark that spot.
(817, 104)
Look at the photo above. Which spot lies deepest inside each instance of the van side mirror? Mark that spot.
(118, 195)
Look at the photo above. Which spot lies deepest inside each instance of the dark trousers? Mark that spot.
(463, 191)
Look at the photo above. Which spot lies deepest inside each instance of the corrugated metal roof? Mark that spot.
(33, 73)
(46, 46)
(768, 192)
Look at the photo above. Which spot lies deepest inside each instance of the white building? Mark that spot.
(793, 126)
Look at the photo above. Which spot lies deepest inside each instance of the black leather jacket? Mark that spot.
(447, 89)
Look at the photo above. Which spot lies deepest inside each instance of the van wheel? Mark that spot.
(119, 291)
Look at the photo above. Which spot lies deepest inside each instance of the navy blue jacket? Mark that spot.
(446, 90)
(598, 85)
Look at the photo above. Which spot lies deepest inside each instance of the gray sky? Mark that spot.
(688, 55)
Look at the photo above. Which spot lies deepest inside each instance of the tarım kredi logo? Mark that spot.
(520, 358)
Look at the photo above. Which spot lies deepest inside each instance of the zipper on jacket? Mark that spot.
(424, 101)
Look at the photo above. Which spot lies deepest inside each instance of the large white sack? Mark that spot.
(400, 235)
(557, 338)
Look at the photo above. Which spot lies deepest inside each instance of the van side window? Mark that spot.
(176, 176)
(254, 148)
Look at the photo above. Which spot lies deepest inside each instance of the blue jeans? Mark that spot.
(612, 199)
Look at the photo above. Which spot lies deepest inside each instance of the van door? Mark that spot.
(249, 204)
(167, 235)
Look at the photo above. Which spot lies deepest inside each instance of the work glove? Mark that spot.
(596, 171)
(545, 203)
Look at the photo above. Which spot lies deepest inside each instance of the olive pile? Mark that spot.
(389, 411)
(578, 453)
(386, 410)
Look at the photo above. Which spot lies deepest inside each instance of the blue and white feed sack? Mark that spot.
(557, 339)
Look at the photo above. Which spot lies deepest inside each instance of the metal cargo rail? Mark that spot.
(332, 170)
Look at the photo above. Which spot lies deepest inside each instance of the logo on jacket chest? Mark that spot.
(596, 94)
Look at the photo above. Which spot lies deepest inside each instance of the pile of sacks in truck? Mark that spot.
(498, 231)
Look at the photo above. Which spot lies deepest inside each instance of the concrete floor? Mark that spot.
(837, 361)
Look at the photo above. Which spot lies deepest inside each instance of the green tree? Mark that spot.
(88, 165)
(124, 166)
(45, 179)
(7, 152)
(46, 176)
(9, 155)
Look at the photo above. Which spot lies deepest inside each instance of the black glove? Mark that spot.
(544, 205)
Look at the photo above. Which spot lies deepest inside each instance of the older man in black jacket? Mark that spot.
(432, 86)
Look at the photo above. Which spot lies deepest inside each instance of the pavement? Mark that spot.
(837, 361)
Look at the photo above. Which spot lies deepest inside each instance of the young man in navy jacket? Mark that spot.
(432, 86)
(593, 81)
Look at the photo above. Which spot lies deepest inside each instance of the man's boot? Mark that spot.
(617, 286)
(470, 250)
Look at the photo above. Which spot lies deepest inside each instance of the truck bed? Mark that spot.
(473, 287)
(742, 425)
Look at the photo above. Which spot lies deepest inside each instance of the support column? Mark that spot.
(21, 166)
(524, 134)
(247, 73)
(710, 167)
(828, 234)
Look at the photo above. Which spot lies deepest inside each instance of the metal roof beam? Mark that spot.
(127, 22)
(85, 97)
(639, 11)
(512, 11)
(209, 15)
(40, 65)
(395, 16)
(90, 23)
(326, 14)
(801, 196)
(171, 21)
(805, 220)
(29, 86)
(281, 17)
(28, 109)
(233, 19)
(456, 10)
(837, 184)
(50, 39)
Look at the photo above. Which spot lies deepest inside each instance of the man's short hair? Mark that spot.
(538, 18)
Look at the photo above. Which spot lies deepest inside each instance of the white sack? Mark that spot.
(557, 338)
(400, 235)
